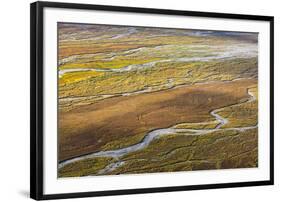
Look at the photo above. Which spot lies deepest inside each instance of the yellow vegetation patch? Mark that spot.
(72, 77)
(203, 125)
(108, 64)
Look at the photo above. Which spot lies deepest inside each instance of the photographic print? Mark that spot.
(128, 100)
(136, 100)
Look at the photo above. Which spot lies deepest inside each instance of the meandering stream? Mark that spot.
(158, 133)
(230, 52)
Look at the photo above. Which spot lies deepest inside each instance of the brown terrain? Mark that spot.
(88, 128)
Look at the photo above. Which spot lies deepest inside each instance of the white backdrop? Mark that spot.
(14, 102)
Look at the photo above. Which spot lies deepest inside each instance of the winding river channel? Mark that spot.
(149, 137)
(229, 52)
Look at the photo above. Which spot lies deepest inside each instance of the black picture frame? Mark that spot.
(36, 99)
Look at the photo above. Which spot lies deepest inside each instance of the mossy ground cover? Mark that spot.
(84, 167)
(227, 149)
(180, 152)
(242, 115)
